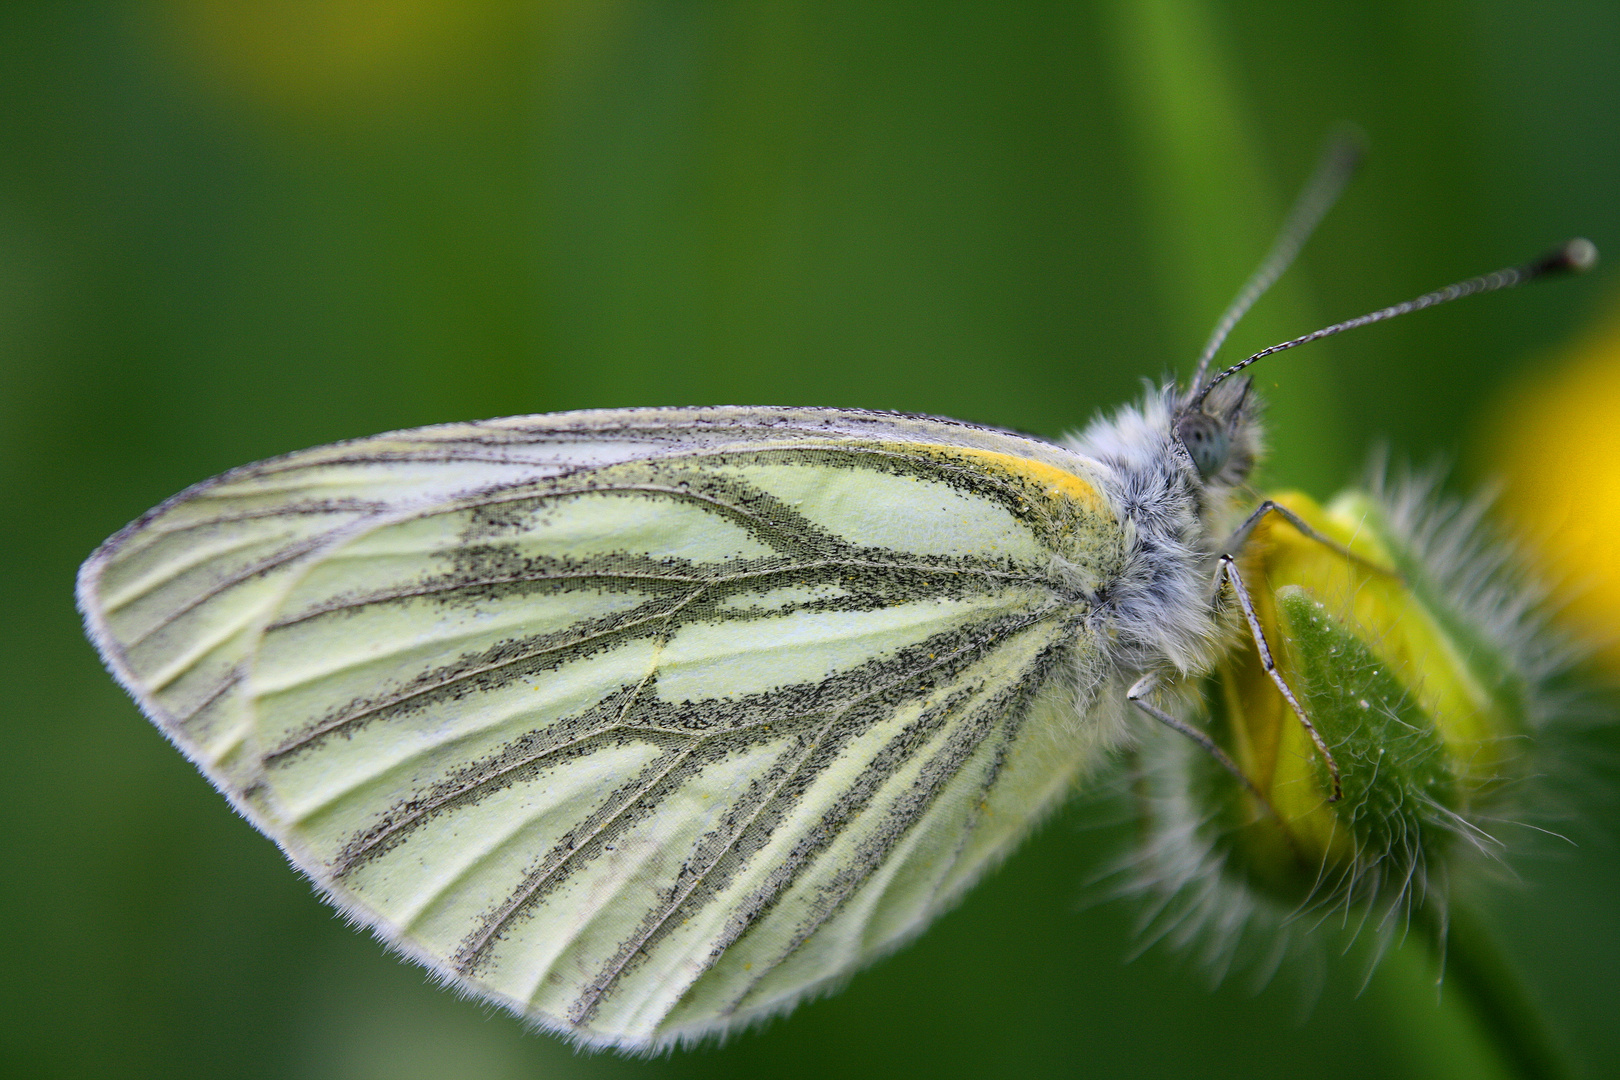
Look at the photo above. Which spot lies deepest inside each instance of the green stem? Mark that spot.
(1509, 1019)
(1212, 211)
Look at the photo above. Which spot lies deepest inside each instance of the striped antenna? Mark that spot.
(1574, 256)
(1337, 164)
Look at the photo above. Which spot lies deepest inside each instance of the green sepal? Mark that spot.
(1399, 791)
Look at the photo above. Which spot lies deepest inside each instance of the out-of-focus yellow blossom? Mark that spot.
(1557, 447)
(343, 57)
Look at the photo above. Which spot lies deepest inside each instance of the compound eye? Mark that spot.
(1206, 441)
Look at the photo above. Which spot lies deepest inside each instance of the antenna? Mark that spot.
(1575, 256)
(1339, 160)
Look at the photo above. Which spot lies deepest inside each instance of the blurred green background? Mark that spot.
(229, 230)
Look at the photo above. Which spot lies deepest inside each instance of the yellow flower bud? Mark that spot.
(1416, 651)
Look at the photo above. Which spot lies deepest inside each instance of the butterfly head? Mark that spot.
(1218, 432)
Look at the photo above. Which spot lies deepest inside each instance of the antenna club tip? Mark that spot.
(1579, 254)
(1571, 257)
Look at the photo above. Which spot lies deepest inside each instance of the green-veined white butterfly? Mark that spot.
(646, 723)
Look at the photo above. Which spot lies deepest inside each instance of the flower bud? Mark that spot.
(1413, 647)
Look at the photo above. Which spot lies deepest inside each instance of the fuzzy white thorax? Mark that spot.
(1163, 611)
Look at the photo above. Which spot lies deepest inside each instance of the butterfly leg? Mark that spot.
(1227, 570)
(1241, 534)
(1138, 695)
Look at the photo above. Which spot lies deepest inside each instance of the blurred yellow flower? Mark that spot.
(337, 57)
(1556, 441)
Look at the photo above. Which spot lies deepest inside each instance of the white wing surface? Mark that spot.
(641, 723)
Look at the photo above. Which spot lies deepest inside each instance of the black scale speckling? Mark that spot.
(870, 577)
(812, 722)
(818, 718)
(835, 715)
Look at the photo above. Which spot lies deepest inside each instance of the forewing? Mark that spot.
(641, 723)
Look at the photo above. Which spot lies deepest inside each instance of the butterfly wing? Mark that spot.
(641, 723)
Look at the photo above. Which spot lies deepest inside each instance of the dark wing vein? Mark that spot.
(587, 1002)
(473, 947)
(343, 720)
(876, 848)
(163, 529)
(263, 566)
(461, 585)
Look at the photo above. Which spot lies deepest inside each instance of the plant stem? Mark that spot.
(1509, 1019)
(1211, 212)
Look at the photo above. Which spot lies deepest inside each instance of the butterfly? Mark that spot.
(645, 724)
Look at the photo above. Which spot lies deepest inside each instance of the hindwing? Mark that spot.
(640, 723)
